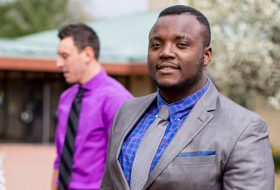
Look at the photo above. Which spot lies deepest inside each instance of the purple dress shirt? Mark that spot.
(100, 102)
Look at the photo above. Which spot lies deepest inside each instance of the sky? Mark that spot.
(114, 8)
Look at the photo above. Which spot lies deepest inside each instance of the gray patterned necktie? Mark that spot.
(66, 158)
(147, 149)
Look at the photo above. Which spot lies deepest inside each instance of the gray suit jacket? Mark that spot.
(220, 145)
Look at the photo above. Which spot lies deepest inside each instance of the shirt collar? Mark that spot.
(95, 80)
(179, 109)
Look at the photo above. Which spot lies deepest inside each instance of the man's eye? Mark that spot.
(182, 44)
(64, 56)
(155, 45)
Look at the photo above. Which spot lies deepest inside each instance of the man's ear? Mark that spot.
(88, 54)
(207, 55)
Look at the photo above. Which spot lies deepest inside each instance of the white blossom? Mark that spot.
(246, 47)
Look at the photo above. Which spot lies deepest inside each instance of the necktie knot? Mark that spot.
(80, 93)
(164, 112)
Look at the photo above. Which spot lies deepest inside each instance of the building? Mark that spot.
(30, 83)
(29, 80)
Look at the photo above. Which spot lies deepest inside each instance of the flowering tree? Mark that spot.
(246, 48)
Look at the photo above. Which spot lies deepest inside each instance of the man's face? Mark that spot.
(176, 52)
(70, 61)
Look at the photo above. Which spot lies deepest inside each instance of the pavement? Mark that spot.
(28, 166)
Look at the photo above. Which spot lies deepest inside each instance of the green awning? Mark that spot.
(122, 40)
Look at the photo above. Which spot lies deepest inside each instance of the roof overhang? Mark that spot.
(48, 65)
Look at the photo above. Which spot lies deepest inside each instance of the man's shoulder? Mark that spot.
(224, 107)
(133, 108)
(137, 104)
(69, 91)
(228, 108)
(146, 100)
(111, 85)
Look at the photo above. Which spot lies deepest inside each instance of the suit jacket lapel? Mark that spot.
(194, 123)
(128, 125)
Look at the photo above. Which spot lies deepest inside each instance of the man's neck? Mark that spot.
(171, 95)
(92, 70)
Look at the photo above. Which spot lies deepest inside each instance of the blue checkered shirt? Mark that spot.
(178, 112)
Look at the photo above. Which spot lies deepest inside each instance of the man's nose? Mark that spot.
(167, 52)
(59, 62)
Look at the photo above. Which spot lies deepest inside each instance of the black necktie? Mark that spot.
(66, 158)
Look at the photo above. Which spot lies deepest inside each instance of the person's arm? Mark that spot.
(112, 103)
(250, 165)
(107, 182)
(54, 184)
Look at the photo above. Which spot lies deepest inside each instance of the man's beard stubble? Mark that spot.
(185, 83)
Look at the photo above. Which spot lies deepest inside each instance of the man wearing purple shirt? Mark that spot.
(78, 53)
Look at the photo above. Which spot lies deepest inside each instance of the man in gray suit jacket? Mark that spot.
(209, 143)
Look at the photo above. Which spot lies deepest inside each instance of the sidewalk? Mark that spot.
(28, 166)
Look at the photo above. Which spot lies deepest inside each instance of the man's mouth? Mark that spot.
(65, 73)
(167, 66)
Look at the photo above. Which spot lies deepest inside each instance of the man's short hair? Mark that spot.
(83, 36)
(182, 9)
